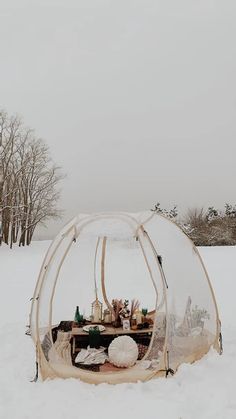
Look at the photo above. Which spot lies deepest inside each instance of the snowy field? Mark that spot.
(204, 390)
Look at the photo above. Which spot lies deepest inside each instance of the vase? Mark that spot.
(94, 337)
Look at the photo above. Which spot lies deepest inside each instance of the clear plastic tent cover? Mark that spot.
(192, 312)
(147, 258)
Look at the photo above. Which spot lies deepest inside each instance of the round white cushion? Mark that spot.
(123, 351)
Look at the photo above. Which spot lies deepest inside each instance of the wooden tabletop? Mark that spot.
(109, 330)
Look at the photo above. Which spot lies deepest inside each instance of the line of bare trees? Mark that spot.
(28, 182)
(210, 227)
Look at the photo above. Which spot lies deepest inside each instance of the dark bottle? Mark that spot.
(77, 317)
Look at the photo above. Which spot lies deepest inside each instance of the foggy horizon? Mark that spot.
(136, 100)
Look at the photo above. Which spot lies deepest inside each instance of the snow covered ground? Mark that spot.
(204, 390)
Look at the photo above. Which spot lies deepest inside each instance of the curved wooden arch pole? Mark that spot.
(94, 268)
(104, 243)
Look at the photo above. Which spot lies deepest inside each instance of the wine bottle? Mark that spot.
(77, 315)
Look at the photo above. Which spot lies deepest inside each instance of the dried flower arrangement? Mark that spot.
(117, 305)
(125, 312)
(134, 306)
(121, 310)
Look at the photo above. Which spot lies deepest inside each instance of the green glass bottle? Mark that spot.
(77, 317)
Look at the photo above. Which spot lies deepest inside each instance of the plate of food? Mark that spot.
(93, 326)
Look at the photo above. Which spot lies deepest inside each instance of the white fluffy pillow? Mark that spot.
(123, 351)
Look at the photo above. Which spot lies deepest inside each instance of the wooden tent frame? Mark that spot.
(71, 232)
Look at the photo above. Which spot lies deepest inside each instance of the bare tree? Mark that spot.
(28, 182)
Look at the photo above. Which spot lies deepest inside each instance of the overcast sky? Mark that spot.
(136, 99)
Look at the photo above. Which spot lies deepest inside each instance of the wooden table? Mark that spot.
(109, 331)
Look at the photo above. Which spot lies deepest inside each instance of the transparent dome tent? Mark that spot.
(142, 256)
